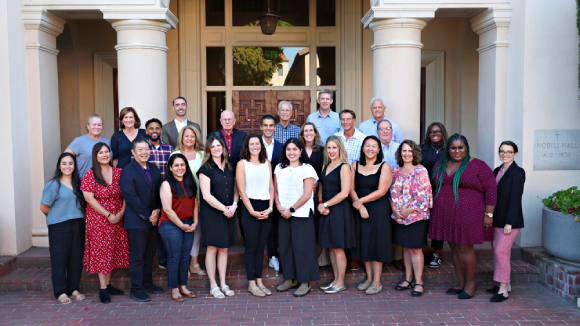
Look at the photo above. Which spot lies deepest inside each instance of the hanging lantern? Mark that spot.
(269, 22)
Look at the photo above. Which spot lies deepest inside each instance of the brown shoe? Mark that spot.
(189, 295)
(398, 264)
(177, 299)
(353, 265)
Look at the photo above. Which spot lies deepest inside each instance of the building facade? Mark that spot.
(492, 70)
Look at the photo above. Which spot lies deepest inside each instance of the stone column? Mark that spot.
(142, 64)
(42, 28)
(397, 70)
(492, 26)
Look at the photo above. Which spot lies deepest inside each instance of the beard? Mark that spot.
(151, 138)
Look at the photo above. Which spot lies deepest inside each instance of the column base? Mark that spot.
(40, 236)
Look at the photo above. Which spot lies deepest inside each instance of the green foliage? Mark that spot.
(565, 201)
(251, 68)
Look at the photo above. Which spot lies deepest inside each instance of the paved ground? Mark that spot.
(529, 304)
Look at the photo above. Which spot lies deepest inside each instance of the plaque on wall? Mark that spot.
(557, 150)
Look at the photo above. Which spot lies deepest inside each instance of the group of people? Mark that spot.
(326, 193)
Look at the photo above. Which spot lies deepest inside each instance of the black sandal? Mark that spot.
(417, 293)
(403, 288)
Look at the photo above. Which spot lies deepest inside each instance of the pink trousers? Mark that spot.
(502, 250)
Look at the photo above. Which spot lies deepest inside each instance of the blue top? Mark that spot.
(63, 207)
(82, 146)
(327, 126)
(390, 152)
(369, 128)
(121, 147)
(282, 134)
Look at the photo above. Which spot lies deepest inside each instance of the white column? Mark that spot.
(142, 63)
(492, 26)
(397, 70)
(42, 28)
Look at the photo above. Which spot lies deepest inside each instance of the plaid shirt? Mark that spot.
(283, 134)
(160, 156)
(353, 144)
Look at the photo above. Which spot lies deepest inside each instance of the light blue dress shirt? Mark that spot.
(389, 153)
(327, 126)
(369, 128)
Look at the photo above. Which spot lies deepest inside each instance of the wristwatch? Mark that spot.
(325, 205)
(292, 210)
(489, 214)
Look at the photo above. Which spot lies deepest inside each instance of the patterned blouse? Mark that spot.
(412, 190)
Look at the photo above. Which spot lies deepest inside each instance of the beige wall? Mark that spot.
(172, 63)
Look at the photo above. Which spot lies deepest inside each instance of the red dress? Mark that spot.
(462, 222)
(106, 244)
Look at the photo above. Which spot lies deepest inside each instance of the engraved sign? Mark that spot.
(557, 150)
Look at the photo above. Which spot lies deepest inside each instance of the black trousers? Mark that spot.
(298, 248)
(272, 243)
(437, 244)
(67, 246)
(257, 232)
(142, 247)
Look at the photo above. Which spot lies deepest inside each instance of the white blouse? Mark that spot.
(257, 180)
(290, 185)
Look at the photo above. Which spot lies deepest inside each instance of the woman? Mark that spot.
(63, 204)
(191, 146)
(178, 222)
(106, 243)
(411, 199)
(370, 183)
(336, 231)
(295, 180)
(254, 180)
(432, 151)
(508, 217)
(218, 207)
(465, 195)
(310, 137)
(122, 139)
(82, 146)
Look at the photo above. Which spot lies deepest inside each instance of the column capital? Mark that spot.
(43, 20)
(160, 15)
(140, 24)
(405, 22)
(491, 18)
(375, 14)
(412, 40)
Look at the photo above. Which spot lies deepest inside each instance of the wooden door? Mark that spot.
(250, 106)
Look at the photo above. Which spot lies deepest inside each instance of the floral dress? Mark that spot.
(412, 190)
(106, 244)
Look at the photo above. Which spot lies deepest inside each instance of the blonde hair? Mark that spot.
(198, 142)
(343, 158)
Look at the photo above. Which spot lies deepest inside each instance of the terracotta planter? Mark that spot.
(561, 235)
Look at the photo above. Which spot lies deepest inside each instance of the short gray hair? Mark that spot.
(374, 99)
(326, 91)
(285, 102)
(379, 124)
(94, 115)
(224, 111)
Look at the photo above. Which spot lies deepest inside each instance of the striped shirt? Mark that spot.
(353, 144)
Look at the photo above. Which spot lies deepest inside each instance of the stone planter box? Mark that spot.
(561, 235)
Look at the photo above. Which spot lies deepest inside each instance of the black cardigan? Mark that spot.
(510, 189)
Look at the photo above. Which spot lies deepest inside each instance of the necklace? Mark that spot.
(436, 150)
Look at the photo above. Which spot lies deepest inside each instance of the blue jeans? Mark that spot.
(178, 245)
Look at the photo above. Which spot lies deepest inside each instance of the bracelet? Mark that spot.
(320, 202)
(235, 203)
(270, 208)
(109, 215)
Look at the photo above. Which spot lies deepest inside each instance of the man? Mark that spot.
(284, 129)
(140, 182)
(326, 121)
(273, 150)
(351, 137)
(171, 129)
(82, 146)
(233, 138)
(369, 127)
(389, 145)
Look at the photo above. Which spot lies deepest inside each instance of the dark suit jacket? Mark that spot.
(169, 135)
(237, 141)
(510, 189)
(141, 196)
(276, 154)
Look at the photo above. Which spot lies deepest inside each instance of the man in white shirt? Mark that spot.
(172, 128)
(369, 127)
(388, 144)
(326, 121)
(350, 136)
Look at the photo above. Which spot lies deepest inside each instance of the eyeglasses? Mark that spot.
(505, 152)
(435, 132)
(385, 129)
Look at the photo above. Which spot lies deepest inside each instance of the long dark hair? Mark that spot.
(284, 161)
(444, 134)
(75, 180)
(189, 184)
(439, 169)
(245, 153)
(97, 166)
(363, 159)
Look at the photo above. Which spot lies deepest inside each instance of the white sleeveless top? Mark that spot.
(257, 180)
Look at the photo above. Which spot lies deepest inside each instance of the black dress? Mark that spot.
(316, 159)
(218, 230)
(430, 155)
(373, 234)
(121, 147)
(335, 230)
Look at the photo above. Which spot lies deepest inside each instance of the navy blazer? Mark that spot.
(237, 141)
(276, 154)
(141, 196)
(510, 189)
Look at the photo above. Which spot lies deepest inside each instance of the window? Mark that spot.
(280, 71)
(216, 66)
(325, 12)
(215, 13)
(326, 69)
(257, 66)
(216, 103)
(293, 13)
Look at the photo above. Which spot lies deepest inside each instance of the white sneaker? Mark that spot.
(274, 263)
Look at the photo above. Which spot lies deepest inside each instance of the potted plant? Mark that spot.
(560, 224)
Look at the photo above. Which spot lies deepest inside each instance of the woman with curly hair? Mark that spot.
(465, 197)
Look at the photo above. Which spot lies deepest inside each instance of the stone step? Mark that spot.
(38, 279)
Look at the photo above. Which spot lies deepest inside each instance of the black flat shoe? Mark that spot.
(493, 290)
(114, 291)
(453, 291)
(154, 289)
(104, 296)
(417, 293)
(403, 288)
(463, 295)
(498, 297)
(140, 297)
